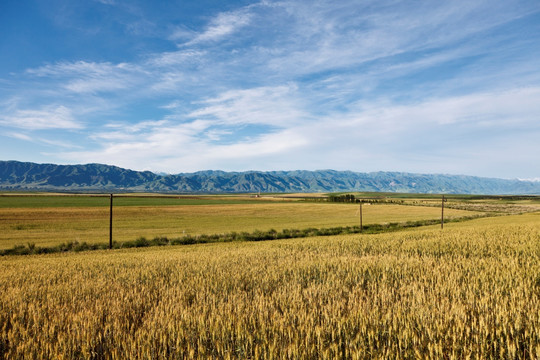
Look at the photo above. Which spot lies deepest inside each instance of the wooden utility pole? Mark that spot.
(110, 223)
(442, 211)
(360, 215)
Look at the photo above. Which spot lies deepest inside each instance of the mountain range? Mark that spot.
(15, 175)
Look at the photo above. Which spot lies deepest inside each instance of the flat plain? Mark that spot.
(470, 290)
(53, 220)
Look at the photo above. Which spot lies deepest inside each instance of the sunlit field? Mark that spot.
(471, 290)
(49, 221)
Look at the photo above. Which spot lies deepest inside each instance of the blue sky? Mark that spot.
(180, 86)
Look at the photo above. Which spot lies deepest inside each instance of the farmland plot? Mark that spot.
(465, 292)
(49, 226)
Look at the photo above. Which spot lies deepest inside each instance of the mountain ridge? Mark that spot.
(28, 176)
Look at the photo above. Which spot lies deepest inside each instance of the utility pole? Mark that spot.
(360, 215)
(442, 211)
(110, 223)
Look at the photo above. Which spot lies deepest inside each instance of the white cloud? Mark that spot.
(181, 33)
(49, 117)
(277, 143)
(128, 132)
(315, 83)
(169, 81)
(222, 25)
(106, 2)
(275, 106)
(92, 77)
(175, 58)
(41, 140)
(172, 105)
(59, 143)
(19, 136)
(371, 133)
(328, 36)
(186, 146)
(499, 110)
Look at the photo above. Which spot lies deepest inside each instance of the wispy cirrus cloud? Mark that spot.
(66, 145)
(275, 106)
(370, 130)
(92, 77)
(305, 40)
(106, 2)
(301, 85)
(18, 135)
(326, 38)
(177, 143)
(224, 24)
(49, 117)
(498, 110)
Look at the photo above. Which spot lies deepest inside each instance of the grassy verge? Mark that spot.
(257, 235)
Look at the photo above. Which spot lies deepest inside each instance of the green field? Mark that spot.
(52, 220)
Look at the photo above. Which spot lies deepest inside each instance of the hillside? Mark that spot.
(16, 175)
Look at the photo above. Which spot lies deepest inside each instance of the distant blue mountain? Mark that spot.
(16, 175)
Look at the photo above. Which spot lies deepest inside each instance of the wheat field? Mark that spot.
(49, 226)
(469, 291)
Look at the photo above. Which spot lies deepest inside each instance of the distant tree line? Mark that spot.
(347, 198)
(350, 198)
